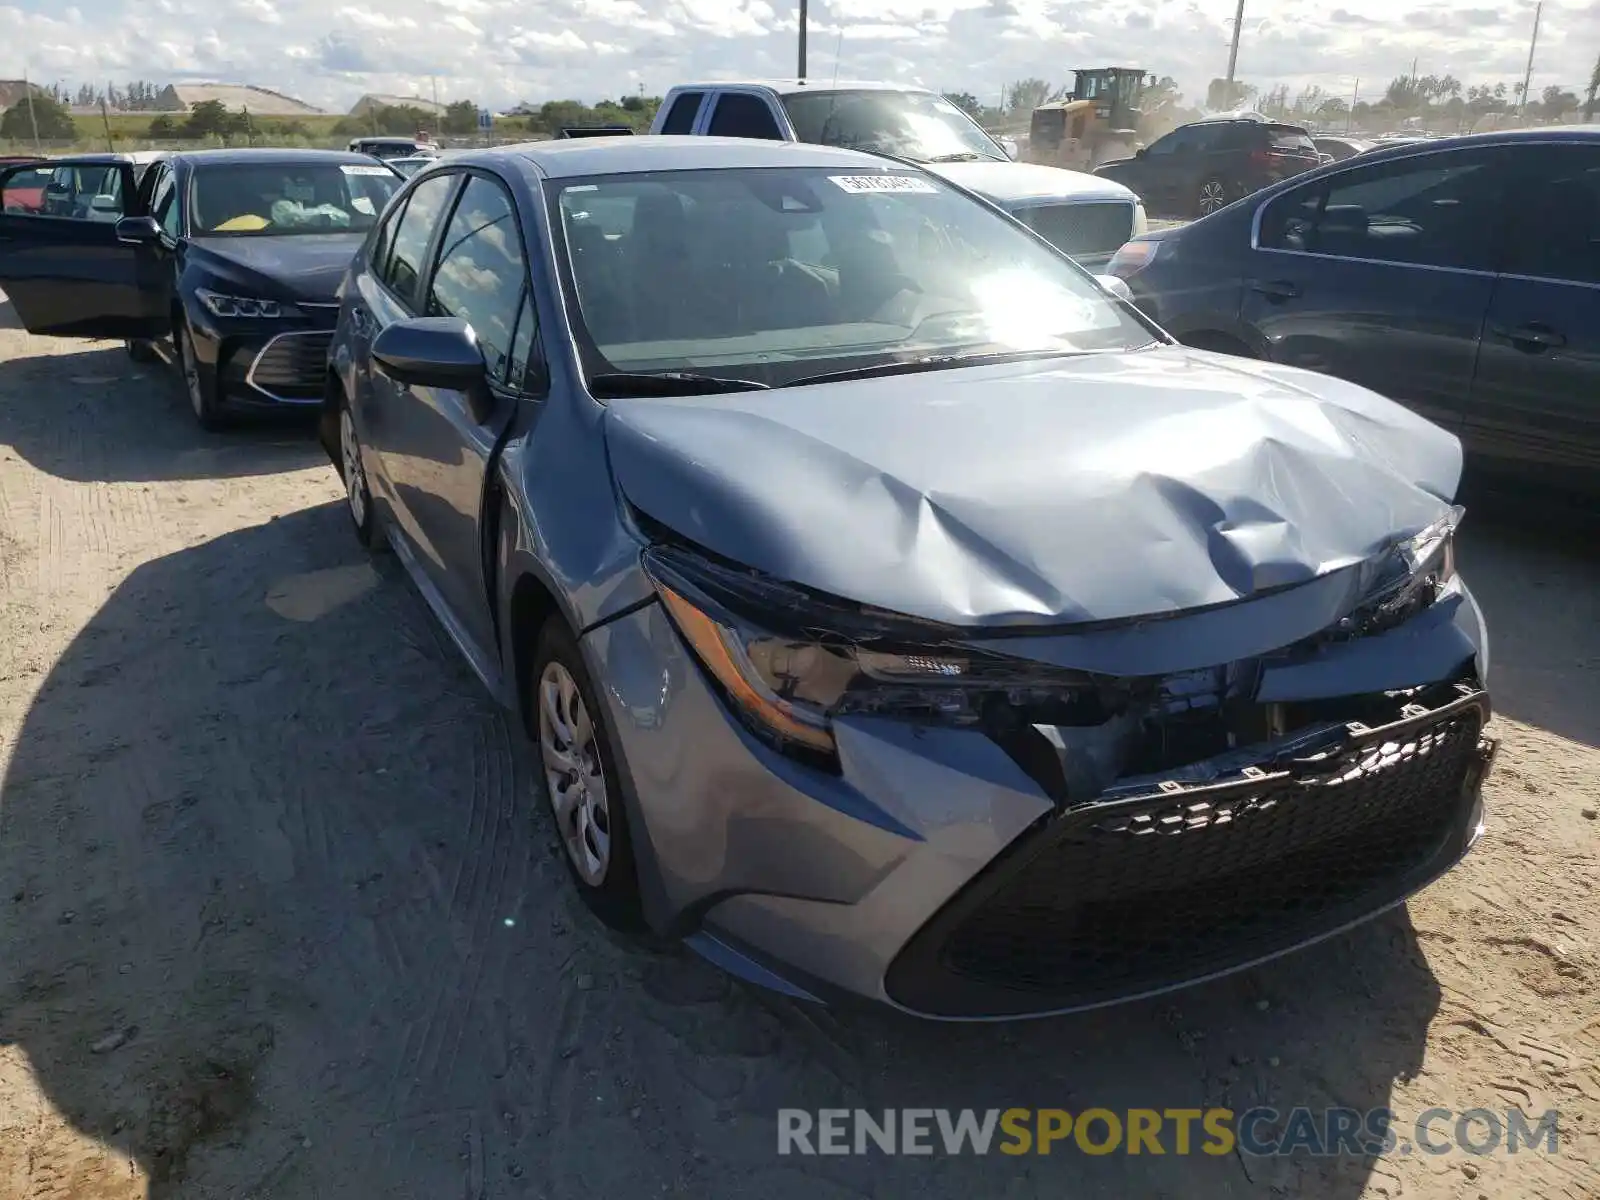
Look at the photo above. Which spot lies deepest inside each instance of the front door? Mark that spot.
(1536, 399)
(61, 263)
(1382, 275)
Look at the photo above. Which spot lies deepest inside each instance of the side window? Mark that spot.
(164, 202)
(1555, 215)
(680, 117)
(1176, 140)
(526, 370)
(413, 233)
(480, 275)
(1429, 210)
(739, 114)
(77, 192)
(383, 240)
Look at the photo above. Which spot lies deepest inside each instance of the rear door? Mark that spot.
(1536, 397)
(1164, 166)
(61, 264)
(1382, 274)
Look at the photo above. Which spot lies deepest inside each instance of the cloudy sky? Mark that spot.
(328, 52)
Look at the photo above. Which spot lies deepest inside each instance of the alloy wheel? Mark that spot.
(355, 481)
(570, 748)
(1212, 197)
(191, 375)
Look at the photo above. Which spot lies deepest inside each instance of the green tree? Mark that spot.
(54, 120)
(1025, 95)
(1594, 91)
(1222, 96)
(1558, 100)
(966, 102)
(209, 118)
(163, 126)
(460, 117)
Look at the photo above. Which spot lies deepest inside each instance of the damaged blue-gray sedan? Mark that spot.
(900, 615)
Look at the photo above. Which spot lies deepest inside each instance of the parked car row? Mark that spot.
(897, 613)
(1459, 276)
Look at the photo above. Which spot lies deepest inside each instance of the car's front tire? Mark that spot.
(581, 781)
(141, 351)
(357, 493)
(202, 400)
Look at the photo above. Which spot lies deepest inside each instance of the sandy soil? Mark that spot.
(280, 913)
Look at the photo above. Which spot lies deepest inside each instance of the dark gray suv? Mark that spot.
(1197, 169)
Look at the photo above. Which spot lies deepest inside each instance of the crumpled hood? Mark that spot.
(305, 266)
(1097, 488)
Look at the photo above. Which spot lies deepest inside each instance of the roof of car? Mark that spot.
(567, 158)
(247, 155)
(1400, 148)
(791, 87)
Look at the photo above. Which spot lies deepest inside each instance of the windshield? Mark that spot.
(275, 199)
(779, 274)
(914, 125)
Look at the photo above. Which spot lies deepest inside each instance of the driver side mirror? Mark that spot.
(138, 231)
(1114, 287)
(433, 352)
(1009, 145)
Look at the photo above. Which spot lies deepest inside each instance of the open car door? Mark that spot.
(62, 265)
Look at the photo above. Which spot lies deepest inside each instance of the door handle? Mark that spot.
(1276, 289)
(1529, 336)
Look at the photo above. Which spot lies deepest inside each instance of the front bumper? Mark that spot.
(935, 875)
(268, 365)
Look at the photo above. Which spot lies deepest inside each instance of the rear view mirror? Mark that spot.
(138, 230)
(436, 352)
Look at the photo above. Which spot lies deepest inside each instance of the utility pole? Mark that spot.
(105, 115)
(1533, 42)
(27, 90)
(1354, 96)
(803, 38)
(1233, 49)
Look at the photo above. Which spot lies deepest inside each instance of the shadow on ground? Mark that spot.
(1533, 561)
(90, 413)
(283, 918)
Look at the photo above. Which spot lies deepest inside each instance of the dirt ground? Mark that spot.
(280, 912)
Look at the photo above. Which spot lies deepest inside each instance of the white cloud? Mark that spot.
(500, 51)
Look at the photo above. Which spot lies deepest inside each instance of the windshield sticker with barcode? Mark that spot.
(350, 169)
(882, 183)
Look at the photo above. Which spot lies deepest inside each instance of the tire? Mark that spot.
(140, 351)
(357, 495)
(202, 403)
(1210, 196)
(581, 782)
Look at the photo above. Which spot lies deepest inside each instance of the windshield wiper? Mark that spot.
(932, 362)
(617, 384)
(964, 156)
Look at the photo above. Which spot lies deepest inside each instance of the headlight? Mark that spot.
(1407, 579)
(247, 307)
(790, 670)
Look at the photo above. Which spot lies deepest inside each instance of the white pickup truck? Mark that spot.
(1084, 216)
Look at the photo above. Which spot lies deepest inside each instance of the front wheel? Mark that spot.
(202, 400)
(141, 351)
(1213, 195)
(581, 781)
(357, 495)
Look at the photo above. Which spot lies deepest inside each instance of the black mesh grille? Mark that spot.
(1128, 896)
(293, 366)
(1083, 230)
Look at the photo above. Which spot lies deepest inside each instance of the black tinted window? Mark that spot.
(739, 114)
(415, 229)
(1430, 210)
(680, 117)
(480, 273)
(1555, 216)
(164, 202)
(1178, 139)
(1293, 141)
